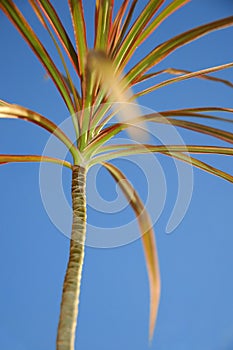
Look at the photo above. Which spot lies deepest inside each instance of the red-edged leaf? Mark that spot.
(201, 165)
(103, 22)
(175, 71)
(106, 153)
(198, 74)
(116, 26)
(163, 50)
(76, 9)
(25, 158)
(172, 7)
(18, 112)
(60, 31)
(135, 31)
(148, 240)
(109, 132)
(13, 13)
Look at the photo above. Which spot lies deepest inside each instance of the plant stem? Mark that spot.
(71, 288)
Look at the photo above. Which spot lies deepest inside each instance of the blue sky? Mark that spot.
(196, 259)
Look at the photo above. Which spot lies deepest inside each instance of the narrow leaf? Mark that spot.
(123, 150)
(201, 165)
(136, 29)
(102, 28)
(60, 31)
(148, 240)
(116, 29)
(163, 50)
(13, 13)
(186, 76)
(9, 158)
(67, 78)
(171, 114)
(99, 64)
(175, 71)
(172, 7)
(109, 132)
(76, 9)
(18, 112)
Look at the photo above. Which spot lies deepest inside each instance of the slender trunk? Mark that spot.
(71, 287)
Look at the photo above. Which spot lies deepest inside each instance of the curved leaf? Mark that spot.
(107, 153)
(18, 112)
(201, 165)
(9, 158)
(163, 50)
(148, 240)
(109, 132)
(175, 71)
(188, 76)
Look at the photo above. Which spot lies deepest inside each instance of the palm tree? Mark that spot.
(105, 79)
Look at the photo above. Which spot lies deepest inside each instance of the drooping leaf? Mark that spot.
(10, 158)
(18, 112)
(200, 109)
(148, 240)
(201, 165)
(187, 113)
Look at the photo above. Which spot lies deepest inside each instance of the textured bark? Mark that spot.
(71, 287)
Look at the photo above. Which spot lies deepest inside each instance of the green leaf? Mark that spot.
(172, 7)
(18, 112)
(192, 113)
(175, 71)
(9, 158)
(148, 240)
(107, 153)
(99, 64)
(103, 21)
(117, 31)
(77, 15)
(200, 109)
(201, 165)
(136, 29)
(109, 132)
(67, 78)
(59, 29)
(12, 12)
(164, 49)
(198, 74)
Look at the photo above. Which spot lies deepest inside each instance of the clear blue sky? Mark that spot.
(196, 309)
